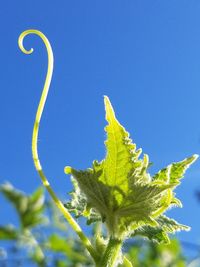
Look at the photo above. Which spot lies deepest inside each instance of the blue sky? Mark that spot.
(145, 55)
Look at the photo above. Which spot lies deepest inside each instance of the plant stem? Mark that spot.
(59, 204)
(127, 263)
(111, 253)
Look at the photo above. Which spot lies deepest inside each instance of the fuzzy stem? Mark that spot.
(111, 253)
(66, 214)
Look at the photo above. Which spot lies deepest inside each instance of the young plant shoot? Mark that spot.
(117, 191)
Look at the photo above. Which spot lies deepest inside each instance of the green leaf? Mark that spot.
(120, 189)
(172, 175)
(29, 208)
(151, 254)
(79, 206)
(159, 233)
(37, 256)
(8, 232)
(175, 171)
(156, 234)
(58, 244)
(178, 169)
(170, 225)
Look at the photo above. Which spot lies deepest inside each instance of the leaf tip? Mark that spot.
(106, 100)
(110, 114)
(188, 228)
(105, 97)
(68, 170)
(195, 157)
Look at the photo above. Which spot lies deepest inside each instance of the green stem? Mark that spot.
(111, 253)
(67, 215)
(127, 263)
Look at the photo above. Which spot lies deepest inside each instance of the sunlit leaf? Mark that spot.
(120, 187)
(79, 206)
(161, 231)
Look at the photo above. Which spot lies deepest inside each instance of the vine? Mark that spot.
(86, 242)
(118, 191)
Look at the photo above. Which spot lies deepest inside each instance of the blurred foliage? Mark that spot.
(148, 254)
(30, 211)
(43, 239)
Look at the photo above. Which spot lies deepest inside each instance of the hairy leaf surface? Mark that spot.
(120, 188)
(160, 233)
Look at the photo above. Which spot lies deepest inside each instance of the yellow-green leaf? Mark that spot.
(120, 189)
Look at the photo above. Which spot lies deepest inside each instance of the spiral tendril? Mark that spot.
(59, 204)
(44, 93)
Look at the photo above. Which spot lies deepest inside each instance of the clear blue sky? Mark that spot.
(145, 55)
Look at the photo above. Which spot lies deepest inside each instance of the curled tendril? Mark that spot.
(36, 160)
(20, 42)
(43, 96)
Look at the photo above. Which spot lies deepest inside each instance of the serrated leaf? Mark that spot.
(178, 169)
(155, 234)
(172, 175)
(170, 225)
(175, 171)
(79, 206)
(160, 233)
(120, 188)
